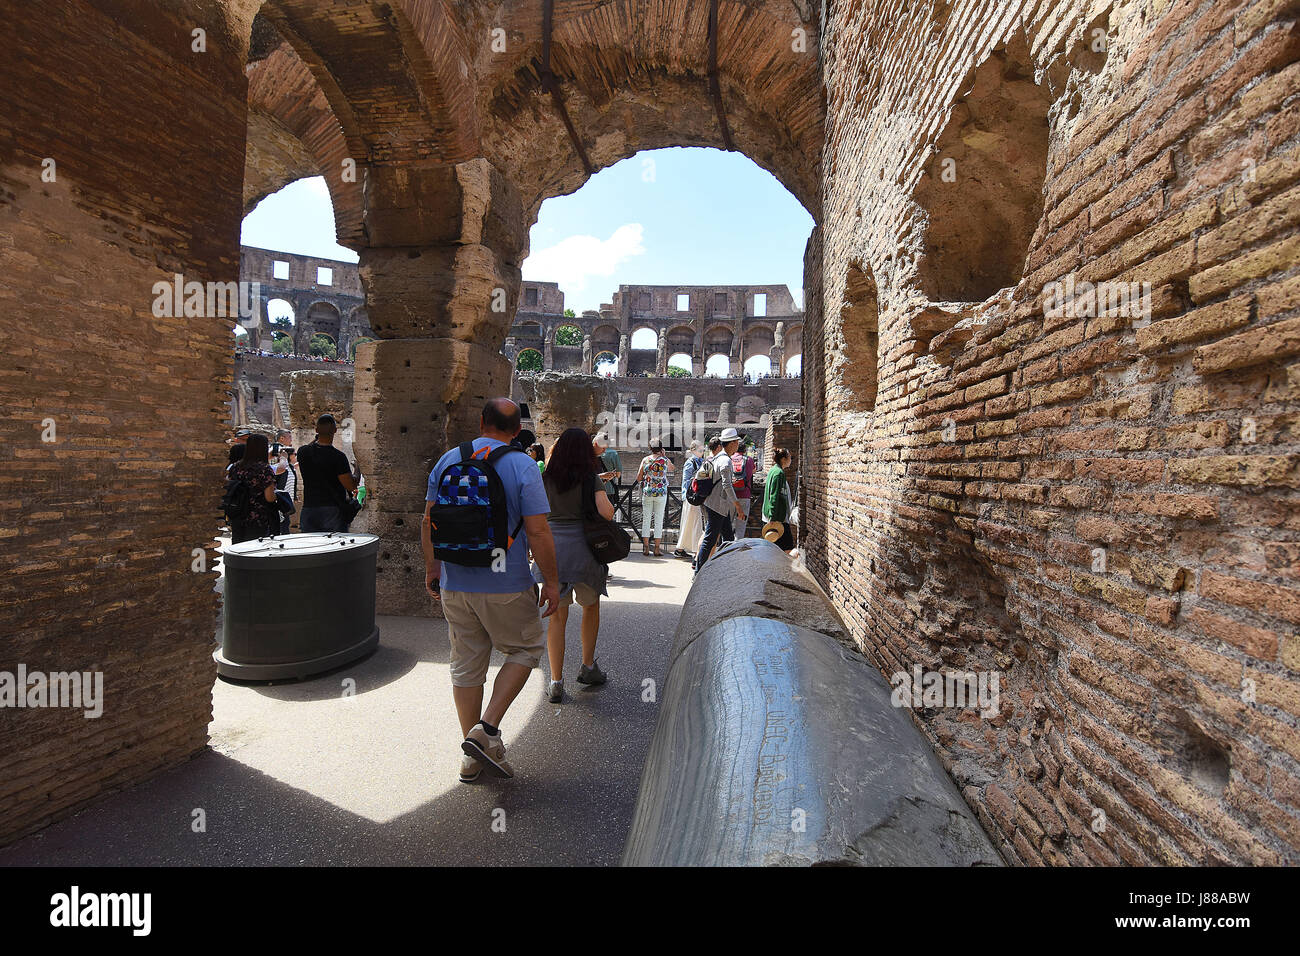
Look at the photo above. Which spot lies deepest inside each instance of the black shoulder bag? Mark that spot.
(607, 540)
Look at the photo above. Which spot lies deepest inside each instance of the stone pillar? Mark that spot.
(724, 413)
(569, 400)
(442, 281)
(548, 348)
(622, 354)
(661, 353)
(586, 355)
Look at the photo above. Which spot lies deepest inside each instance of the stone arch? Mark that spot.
(681, 338)
(323, 316)
(793, 341)
(630, 86)
(639, 330)
(749, 410)
(605, 337)
(718, 339)
(529, 333)
(982, 188)
(293, 134)
(758, 340)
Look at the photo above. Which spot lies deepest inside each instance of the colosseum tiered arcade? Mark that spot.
(324, 296)
(1098, 504)
(696, 322)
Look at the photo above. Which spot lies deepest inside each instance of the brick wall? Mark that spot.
(99, 524)
(959, 515)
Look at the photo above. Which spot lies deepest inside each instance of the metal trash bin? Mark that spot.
(297, 605)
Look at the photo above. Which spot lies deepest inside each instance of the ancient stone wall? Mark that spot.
(112, 417)
(1100, 505)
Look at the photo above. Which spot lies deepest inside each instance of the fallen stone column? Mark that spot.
(777, 745)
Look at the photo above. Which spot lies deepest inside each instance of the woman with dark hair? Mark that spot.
(254, 470)
(539, 455)
(573, 491)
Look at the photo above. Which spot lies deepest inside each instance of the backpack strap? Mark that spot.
(492, 457)
(466, 450)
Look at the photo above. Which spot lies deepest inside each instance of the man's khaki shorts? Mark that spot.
(476, 623)
(585, 595)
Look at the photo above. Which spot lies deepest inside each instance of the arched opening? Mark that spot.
(982, 190)
(757, 366)
(794, 366)
(606, 364)
(280, 320)
(679, 365)
(717, 366)
(643, 352)
(759, 342)
(529, 360)
(568, 335)
(858, 339)
(323, 345)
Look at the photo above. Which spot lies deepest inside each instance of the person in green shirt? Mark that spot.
(610, 461)
(776, 498)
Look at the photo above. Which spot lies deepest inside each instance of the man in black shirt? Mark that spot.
(327, 480)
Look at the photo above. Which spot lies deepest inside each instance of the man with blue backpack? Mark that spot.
(484, 509)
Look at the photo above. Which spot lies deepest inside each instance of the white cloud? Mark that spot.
(572, 261)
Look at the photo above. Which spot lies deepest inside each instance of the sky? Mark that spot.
(682, 216)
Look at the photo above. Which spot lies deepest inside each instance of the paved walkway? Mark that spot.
(301, 774)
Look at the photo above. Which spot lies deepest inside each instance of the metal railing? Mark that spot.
(627, 508)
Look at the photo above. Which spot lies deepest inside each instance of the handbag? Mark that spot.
(607, 540)
(349, 510)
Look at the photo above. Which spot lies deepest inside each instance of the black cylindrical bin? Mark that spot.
(297, 605)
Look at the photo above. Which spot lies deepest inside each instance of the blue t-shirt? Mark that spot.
(525, 495)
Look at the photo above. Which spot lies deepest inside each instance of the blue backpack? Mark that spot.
(467, 523)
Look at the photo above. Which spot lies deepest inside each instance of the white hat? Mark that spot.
(729, 435)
